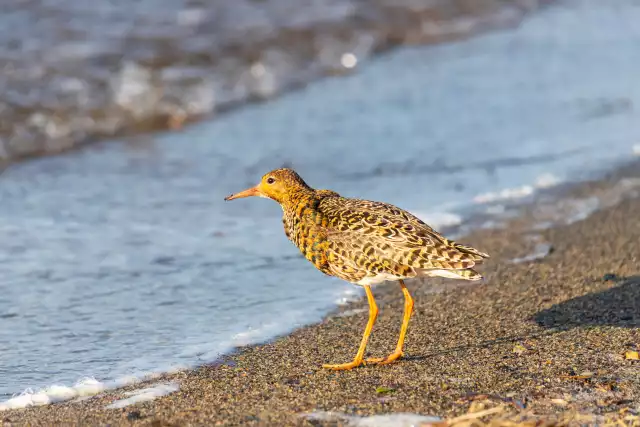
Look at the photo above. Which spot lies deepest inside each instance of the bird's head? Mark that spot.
(281, 185)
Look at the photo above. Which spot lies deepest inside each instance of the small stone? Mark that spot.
(134, 415)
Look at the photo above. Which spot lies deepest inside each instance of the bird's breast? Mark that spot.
(305, 228)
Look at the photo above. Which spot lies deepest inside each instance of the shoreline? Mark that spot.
(83, 86)
(547, 334)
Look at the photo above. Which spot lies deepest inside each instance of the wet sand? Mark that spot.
(551, 337)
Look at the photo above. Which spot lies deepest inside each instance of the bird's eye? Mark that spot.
(271, 180)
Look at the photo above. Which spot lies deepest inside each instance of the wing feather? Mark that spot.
(381, 237)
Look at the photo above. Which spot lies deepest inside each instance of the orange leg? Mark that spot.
(373, 314)
(408, 309)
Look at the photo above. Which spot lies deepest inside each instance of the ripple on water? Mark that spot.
(72, 73)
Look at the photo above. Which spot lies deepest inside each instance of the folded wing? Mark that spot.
(378, 238)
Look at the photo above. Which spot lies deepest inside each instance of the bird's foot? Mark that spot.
(344, 366)
(386, 360)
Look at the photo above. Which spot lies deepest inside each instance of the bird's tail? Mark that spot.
(476, 255)
(468, 274)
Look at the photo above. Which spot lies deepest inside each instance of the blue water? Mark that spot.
(123, 258)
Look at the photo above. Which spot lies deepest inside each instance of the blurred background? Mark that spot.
(123, 124)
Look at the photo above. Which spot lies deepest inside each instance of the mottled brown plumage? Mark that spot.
(362, 241)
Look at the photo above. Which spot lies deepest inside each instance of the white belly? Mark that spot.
(383, 277)
(449, 274)
(378, 278)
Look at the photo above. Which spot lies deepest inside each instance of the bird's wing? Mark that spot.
(378, 233)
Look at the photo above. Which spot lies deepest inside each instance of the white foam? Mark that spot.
(349, 294)
(625, 189)
(541, 250)
(55, 393)
(348, 60)
(398, 419)
(145, 395)
(546, 180)
(253, 334)
(583, 208)
(506, 194)
(84, 388)
(570, 210)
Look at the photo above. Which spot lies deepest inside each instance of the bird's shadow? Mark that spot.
(618, 306)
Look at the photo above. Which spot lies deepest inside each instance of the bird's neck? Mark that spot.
(297, 197)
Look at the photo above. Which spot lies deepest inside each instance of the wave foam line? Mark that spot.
(86, 387)
(144, 395)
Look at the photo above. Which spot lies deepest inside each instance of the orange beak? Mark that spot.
(253, 191)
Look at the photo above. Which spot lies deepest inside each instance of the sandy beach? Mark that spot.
(540, 339)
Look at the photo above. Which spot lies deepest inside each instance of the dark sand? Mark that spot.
(546, 337)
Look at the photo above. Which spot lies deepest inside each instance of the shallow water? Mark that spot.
(124, 259)
(73, 72)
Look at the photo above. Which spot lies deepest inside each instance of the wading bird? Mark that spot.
(365, 243)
